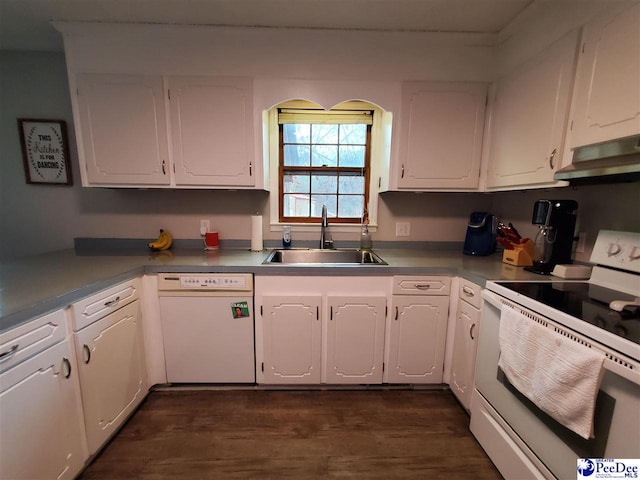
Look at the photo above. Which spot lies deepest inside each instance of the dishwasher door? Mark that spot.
(208, 339)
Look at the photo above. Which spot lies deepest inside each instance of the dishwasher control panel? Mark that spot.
(205, 282)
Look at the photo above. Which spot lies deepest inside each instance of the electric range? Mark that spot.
(586, 306)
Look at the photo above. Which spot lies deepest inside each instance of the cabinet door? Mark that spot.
(355, 339)
(212, 130)
(418, 327)
(40, 418)
(607, 101)
(465, 343)
(529, 118)
(123, 130)
(441, 136)
(112, 372)
(291, 327)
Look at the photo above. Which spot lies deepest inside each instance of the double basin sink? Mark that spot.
(310, 256)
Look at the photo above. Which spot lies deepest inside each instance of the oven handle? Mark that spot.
(615, 365)
(492, 298)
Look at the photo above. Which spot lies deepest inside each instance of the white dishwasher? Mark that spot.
(207, 326)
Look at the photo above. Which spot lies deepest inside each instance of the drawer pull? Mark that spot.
(468, 292)
(8, 353)
(421, 286)
(113, 302)
(66, 367)
(86, 354)
(473, 326)
(396, 313)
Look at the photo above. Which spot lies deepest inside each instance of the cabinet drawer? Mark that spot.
(421, 285)
(470, 293)
(26, 340)
(101, 304)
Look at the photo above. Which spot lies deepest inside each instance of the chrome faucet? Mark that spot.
(325, 237)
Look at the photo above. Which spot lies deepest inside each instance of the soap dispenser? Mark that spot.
(365, 236)
(286, 237)
(365, 239)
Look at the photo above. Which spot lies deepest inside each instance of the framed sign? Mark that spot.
(45, 151)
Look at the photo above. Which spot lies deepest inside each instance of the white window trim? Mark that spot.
(380, 157)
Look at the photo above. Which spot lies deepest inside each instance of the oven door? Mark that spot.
(617, 414)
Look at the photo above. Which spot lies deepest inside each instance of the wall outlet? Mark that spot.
(403, 229)
(205, 226)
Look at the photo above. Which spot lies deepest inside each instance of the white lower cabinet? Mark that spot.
(355, 339)
(417, 329)
(292, 336)
(309, 332)
(465, 342)
(111, 363)
(40, 414)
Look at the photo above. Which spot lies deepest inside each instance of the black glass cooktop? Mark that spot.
(585, 301)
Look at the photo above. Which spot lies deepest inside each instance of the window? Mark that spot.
(324, 159)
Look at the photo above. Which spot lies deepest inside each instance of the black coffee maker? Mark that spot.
(556, 221)
(481, 234)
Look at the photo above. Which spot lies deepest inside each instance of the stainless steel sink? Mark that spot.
(310, 256)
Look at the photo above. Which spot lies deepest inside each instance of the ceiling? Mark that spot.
(24, 24)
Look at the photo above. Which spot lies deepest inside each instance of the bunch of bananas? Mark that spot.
(163, 242)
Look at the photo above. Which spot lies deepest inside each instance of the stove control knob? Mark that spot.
(614, 249)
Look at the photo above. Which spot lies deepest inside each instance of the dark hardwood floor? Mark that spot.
(361, 434)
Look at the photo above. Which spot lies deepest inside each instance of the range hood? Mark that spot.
(614, 161)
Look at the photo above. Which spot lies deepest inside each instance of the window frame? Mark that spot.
(366, 173)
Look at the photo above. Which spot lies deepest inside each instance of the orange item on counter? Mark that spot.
(521, 255)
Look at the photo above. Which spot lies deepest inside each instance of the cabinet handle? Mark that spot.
(396, 313)
(317, 312)
(111, 303)
(66, 364)
(86, 354)
(164, 170)
(250, 169)
(473, 326)
(402, 173)
(331, 313)
(421, 286)
(468, 292)
(552, 157)
(8, 353)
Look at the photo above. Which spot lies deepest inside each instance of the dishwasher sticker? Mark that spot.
(240, 309)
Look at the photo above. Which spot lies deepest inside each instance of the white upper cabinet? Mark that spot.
(440, 136)
(122, 130)
(607, 94)
(212, 130)
(529, 119)
(125, 135)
